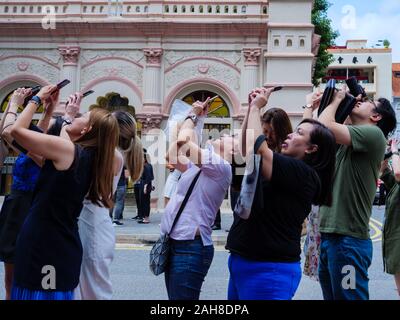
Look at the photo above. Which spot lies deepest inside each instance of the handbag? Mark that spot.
(249, 185)
(251, 180)
(159, 254)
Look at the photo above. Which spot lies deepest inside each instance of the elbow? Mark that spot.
(15, 132)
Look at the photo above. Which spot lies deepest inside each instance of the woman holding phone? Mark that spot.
(192, 248)
(96, 230)
(391, 228)
(264, 260)
(49, 251)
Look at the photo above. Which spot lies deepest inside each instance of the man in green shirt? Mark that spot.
(346, 248)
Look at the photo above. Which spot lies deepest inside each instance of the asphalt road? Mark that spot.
(132, 279)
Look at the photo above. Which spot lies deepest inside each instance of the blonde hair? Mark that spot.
(103, 138)
(130, 144)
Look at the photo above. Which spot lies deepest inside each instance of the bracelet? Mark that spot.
(13, 113)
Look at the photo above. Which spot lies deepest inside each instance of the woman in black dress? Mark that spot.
(49, 251)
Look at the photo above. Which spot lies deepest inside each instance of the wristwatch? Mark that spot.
(37, 100)
(192, 117)
(396, 153)
(307, 106)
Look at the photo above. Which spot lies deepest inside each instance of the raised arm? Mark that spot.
(312, 103)
(60, 151)
(186, 147)
(327, 117)
(10, 114)
(255, 130)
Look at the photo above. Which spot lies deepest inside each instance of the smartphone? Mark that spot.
(277, 88)
(61, 84)
(213, 98)
(87, 93)
(34, 91)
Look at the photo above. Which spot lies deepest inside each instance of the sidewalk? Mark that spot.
(135, 233)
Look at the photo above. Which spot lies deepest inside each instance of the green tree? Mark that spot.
(323, 28)
(113, 101)
(386, 43)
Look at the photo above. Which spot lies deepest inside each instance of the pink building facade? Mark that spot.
(156, 51)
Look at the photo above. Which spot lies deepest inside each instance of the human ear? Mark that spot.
(376, 117)
(311, 149)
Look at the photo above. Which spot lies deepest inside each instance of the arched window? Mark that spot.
(166, 9)
(65, 9)
(39, 9)
(146, 9)
(289, 43)
(302, 43)
(137, 9)
(192, 9)
(15, 10)
(183, 9)
(93, 9)
(218, 9)
(84, 9)
(6, 9)
(244, 9)
(23, 10)
(30, 9)
(175, 9)
(218, 108)
(265, 10)
(276, 43)
(209, 9)
(235, 9)
(201, 9)
(226, 9)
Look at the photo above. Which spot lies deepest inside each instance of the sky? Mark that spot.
(367, 19)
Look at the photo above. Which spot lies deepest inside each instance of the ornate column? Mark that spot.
(249, 75)
(69, 70)
(150, 118)
(152, 80)
(154, 141)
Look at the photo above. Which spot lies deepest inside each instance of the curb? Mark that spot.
(150, 239)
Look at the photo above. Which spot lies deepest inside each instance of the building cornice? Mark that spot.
(140, 28)
(371, 50)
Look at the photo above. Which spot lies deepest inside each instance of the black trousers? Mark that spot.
(136, 190)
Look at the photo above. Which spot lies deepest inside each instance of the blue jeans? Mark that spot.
(119, 199)
(343, 267)
(188, 265)
(258, 280)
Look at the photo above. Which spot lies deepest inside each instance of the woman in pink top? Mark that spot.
(192, 248)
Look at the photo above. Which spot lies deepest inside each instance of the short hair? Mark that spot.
(388, 122)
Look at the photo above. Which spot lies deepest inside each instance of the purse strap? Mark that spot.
(189, 192)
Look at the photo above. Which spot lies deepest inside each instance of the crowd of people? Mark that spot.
(69, 186)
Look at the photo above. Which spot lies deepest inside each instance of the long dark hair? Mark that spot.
(103, 137)
(323, 160)
(130, 144)
(280, 123)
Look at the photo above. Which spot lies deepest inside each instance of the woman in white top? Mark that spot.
(170, 184)
(95, 226)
